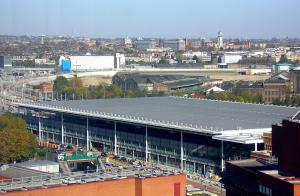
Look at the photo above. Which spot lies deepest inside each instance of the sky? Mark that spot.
(151, 18)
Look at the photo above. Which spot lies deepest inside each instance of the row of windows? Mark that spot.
(198, 148)
(276, 92)
(265, 190)
(268, 147)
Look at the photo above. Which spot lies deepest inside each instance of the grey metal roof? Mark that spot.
(14, 171)
(35, 163)
(207, 114)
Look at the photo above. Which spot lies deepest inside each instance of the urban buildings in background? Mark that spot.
(158, 138)
(44, 51)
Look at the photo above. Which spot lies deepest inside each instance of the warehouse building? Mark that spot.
(91, 63)
(189, 134)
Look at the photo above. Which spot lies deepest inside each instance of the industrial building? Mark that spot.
(189, 134)
(91, 63)
(150, 83)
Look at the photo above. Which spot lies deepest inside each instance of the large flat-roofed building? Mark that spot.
(190, 134)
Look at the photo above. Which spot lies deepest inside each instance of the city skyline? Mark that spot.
(246, 20)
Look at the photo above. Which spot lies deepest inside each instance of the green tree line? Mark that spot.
(289, 101)
(74, 89)
(229, 96)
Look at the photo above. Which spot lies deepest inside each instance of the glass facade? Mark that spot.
(201, 153)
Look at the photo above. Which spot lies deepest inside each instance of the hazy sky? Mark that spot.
(151, 18)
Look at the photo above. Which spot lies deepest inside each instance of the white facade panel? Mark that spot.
(85, 63)
(232, 58)
(46, 168)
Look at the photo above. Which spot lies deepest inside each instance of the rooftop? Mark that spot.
(15, 171)
(45, 180)
(248, 163)
(195, 115)
(34, 163)
(267, 169)
(282, 176)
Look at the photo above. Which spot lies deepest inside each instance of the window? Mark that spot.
(265, 190)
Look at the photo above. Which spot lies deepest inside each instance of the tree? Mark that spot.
(283, 59)
(61, 83)
(195, 58)
(164, 60)
(116, 91)
(179, 56)
(16, 142)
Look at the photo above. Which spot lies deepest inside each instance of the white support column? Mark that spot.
(62, 129)
(181, 151)
(255, 147)
(87, 134)
(222, 156)
(115, 138)
(40, 130)
(146, 142)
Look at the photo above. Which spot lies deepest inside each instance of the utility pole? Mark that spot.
(104, 91)
(86, 93)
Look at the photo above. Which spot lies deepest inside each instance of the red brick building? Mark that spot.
(46, 88)
(263, 177)
(173, 185)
